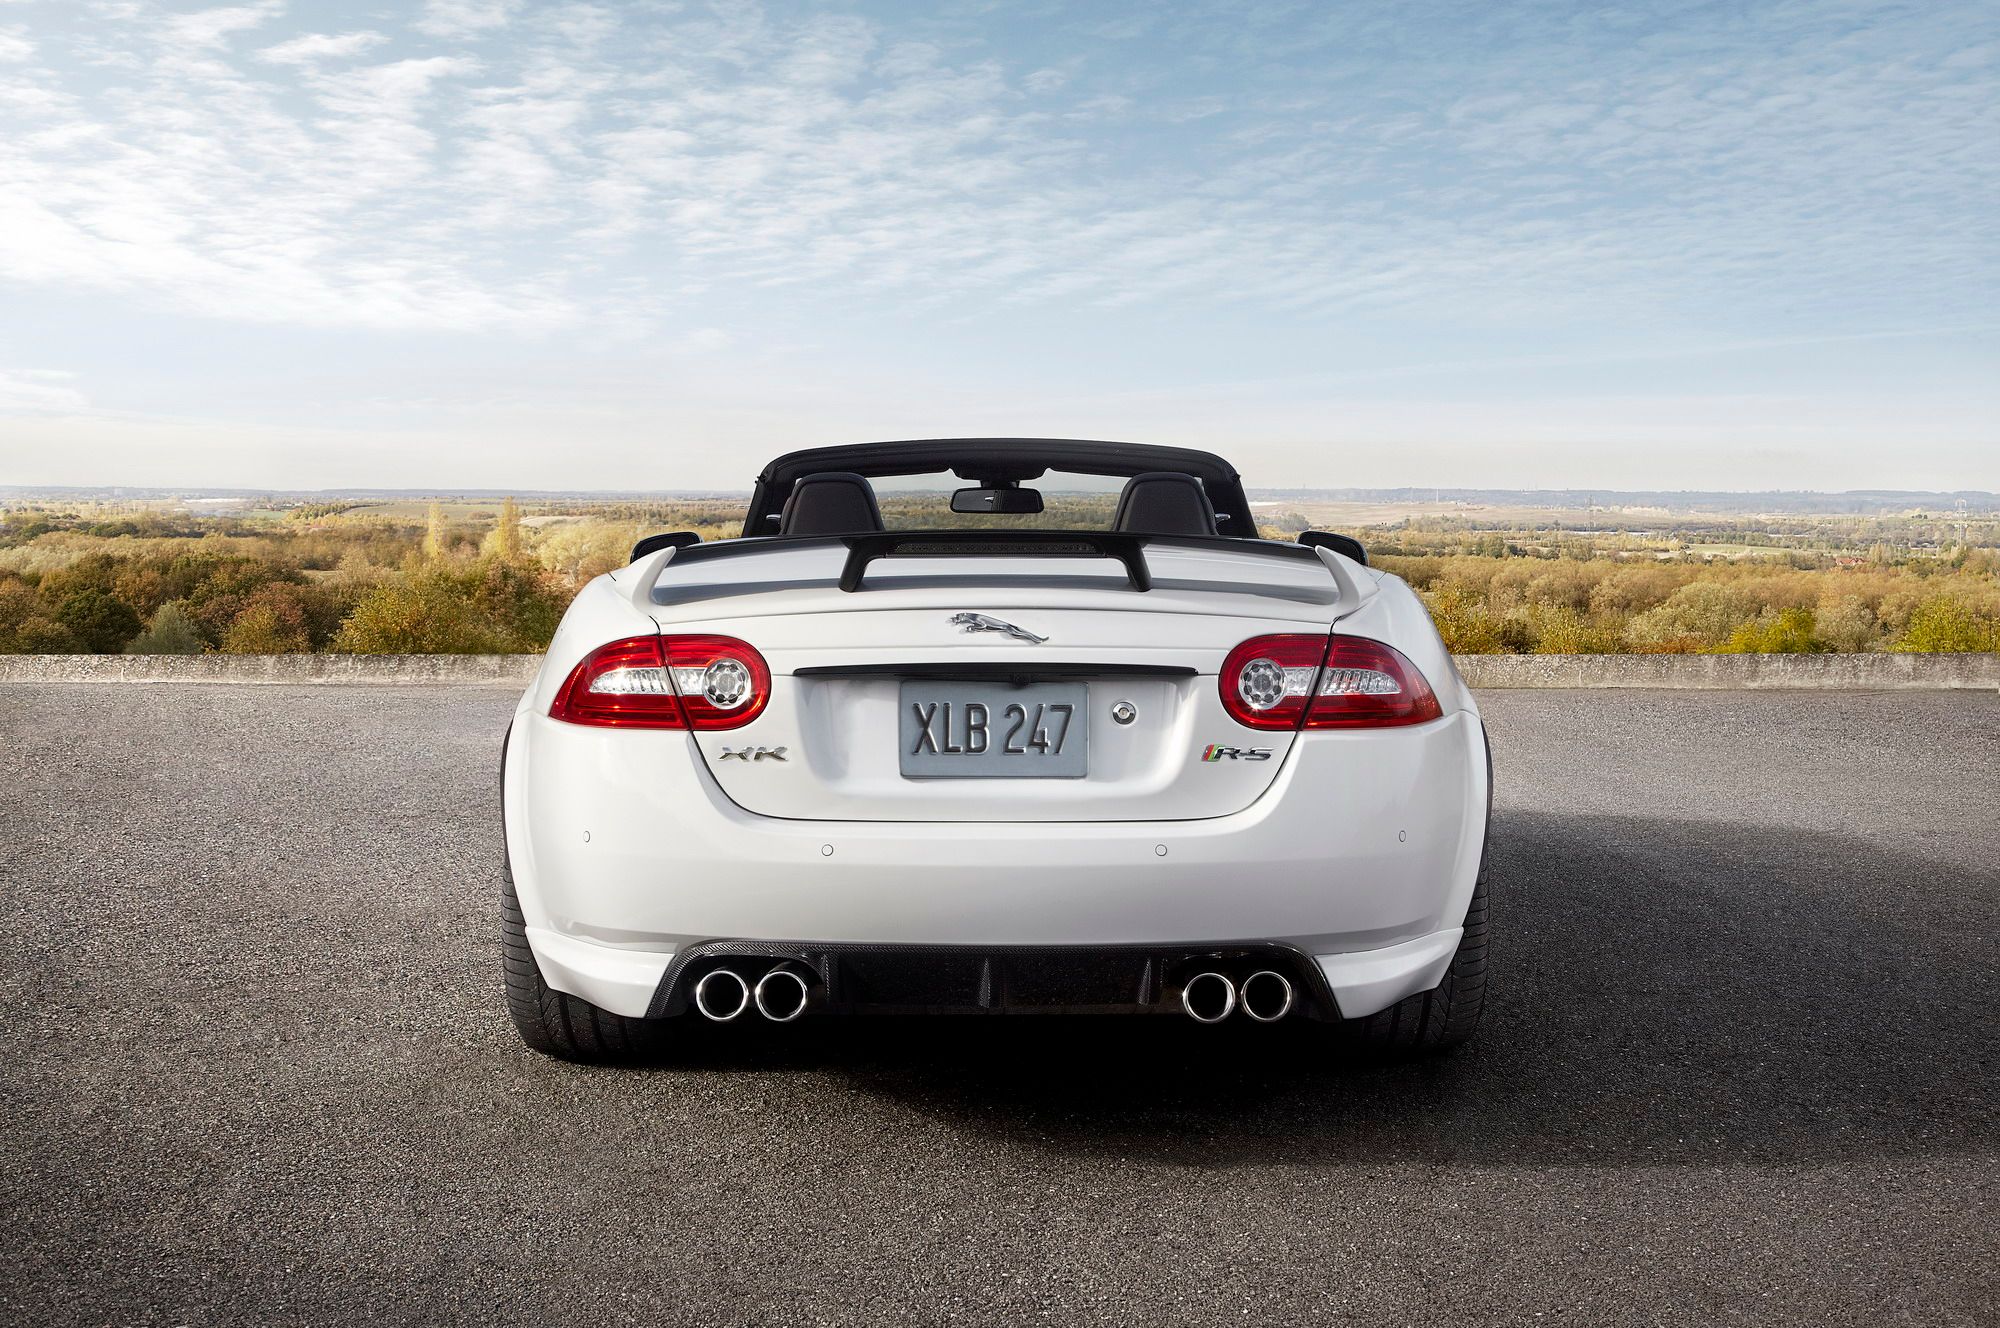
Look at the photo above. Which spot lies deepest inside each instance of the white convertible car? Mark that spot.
(1002, 726)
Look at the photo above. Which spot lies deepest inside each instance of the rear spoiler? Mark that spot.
(1127, 549)
(1354, 591)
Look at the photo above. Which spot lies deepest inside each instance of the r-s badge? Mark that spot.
(1217, 752)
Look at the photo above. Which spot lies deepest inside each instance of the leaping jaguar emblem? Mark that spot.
(980, 622)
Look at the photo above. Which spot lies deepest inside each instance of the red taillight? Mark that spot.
(723, 683)
(666, 682)
(1267, 679)
(1368, 685)
(623, 685)
(1318, 682)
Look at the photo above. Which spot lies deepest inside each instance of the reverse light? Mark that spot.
(1267, 680)
(1295, 681)
(723, 683)
(1369, 685)
(666, 682)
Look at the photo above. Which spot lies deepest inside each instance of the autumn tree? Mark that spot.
(173, 631)
(434, 532)
(1948, 624)
(505, 541)
(273, 622)
(100, 621)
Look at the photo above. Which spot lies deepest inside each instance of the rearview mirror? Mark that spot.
(1011, 502)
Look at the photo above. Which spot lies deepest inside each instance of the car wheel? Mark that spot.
(1448, 1013)
(555, 1022)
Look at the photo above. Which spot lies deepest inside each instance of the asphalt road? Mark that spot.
(1740, 1067)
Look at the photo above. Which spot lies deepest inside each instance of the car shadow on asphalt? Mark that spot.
(1664, 992)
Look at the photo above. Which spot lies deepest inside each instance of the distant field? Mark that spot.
(1736, 551)
(396, 573)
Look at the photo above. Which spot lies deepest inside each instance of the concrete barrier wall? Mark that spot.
(1676, 672)
(1848, 673)
(402, 670)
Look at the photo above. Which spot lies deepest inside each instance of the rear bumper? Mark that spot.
(1362, 855)
(654, 984)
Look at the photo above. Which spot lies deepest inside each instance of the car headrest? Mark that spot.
(1164, 502)
(832, 502)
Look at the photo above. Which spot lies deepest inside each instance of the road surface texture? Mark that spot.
(1739, 1067)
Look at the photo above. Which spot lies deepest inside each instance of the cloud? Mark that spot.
(317, 46)
(14, 47)
(387, 91)
(703, 340)
(624, 166)
(39, 391)
(213, 27)
(464, 18)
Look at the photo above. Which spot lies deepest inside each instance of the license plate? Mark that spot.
(970, 730)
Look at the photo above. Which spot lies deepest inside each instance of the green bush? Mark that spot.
(1563, 631)
(100, 621)
(483, 607)
(270, 624)
(44, 636)
(1845, 622)
(1467, 626)
(1948, 625)
(424, 615)
(1700, 615)
(172, 632)
(1788, 632)
(523, 604)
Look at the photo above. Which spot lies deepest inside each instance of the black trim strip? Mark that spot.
(749, 544)
(998, 671)
(746, 545)
(700, 592)
(1126, 548)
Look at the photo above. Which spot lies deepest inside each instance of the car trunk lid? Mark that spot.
(854, 671)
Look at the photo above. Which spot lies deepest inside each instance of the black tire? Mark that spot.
(554, 1022)
(1447, 1014)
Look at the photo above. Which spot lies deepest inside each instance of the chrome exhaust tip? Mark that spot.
(782, 995)
(1267, 996)
(1208, 998)
(722, 994)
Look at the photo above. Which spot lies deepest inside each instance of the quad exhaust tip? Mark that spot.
(782, 995)
(721, 995)
(1267, 996)
(1208, 998)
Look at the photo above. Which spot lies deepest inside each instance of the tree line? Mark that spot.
(356, 577)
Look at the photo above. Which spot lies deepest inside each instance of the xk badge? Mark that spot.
(752, 754)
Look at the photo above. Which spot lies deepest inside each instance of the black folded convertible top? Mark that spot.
(999, 461)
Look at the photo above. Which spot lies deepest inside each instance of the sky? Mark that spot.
(649, 245)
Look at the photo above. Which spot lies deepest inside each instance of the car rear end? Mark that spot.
(1014, 782)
